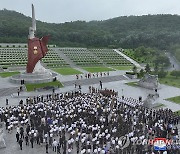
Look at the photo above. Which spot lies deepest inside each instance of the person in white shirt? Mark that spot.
(54, 145)
(18, 129)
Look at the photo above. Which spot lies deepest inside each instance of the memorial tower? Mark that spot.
(37, 48)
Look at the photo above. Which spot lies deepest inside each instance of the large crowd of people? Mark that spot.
(93, 123)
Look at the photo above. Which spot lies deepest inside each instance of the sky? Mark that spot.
(60, 11)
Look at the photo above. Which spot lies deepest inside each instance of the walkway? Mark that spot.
(94, 80)
(69, 61)
(129, 59)
(175, 64)
(115, 81)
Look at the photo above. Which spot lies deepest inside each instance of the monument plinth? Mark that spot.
(37, 49)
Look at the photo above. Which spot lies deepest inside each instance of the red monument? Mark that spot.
(37, 48)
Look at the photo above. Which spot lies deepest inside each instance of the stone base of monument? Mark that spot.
(151, 100)
(36, 77)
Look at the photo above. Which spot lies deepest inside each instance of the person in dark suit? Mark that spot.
(27, 140)
(32, 141)
(100, 82)
(17, 137)
(20, 143)
(47, 146)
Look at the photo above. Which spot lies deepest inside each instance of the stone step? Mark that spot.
(62, 55)
(94, 80)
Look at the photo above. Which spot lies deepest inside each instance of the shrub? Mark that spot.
(130, 73)
(175, 73)
(162, 74)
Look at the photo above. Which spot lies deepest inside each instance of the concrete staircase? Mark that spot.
(69, 61)
(101, 61)
(94, 80)
(62, 55)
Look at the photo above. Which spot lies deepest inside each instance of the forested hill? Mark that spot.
(129, 32)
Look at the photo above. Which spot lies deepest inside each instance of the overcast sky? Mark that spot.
(59, 11)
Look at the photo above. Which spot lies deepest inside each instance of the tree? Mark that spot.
(147, 68)
(162, 60)
(175, 73)
(156, 68)
(140, 51)
(141, 73)
(134, 69)
(162, 73)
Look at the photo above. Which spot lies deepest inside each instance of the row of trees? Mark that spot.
(158, 31)
(161, 73)
(175, 73)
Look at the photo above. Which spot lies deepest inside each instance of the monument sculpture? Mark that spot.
(149, 81)
(37, 48)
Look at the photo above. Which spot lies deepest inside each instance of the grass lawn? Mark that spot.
(174, 99)
(171, 81)
(31, 87)
(123, 67)
(133, 84)
(67, 71)
(8, 74)
(97, 69)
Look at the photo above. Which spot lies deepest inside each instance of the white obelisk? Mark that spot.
(32, 31)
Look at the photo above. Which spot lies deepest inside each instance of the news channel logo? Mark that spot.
(163, 144)
(160, 144)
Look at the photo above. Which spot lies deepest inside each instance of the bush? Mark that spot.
(175, 73)
(131, 73)
(162, 74)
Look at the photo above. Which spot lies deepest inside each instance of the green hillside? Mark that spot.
(159, 31)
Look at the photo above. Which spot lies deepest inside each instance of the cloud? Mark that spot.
(71, 10)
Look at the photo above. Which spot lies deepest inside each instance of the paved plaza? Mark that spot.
(116, 81)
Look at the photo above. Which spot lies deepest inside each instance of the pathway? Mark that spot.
(175, 65)
(128, 58)
(94, 80)
(69, 61)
